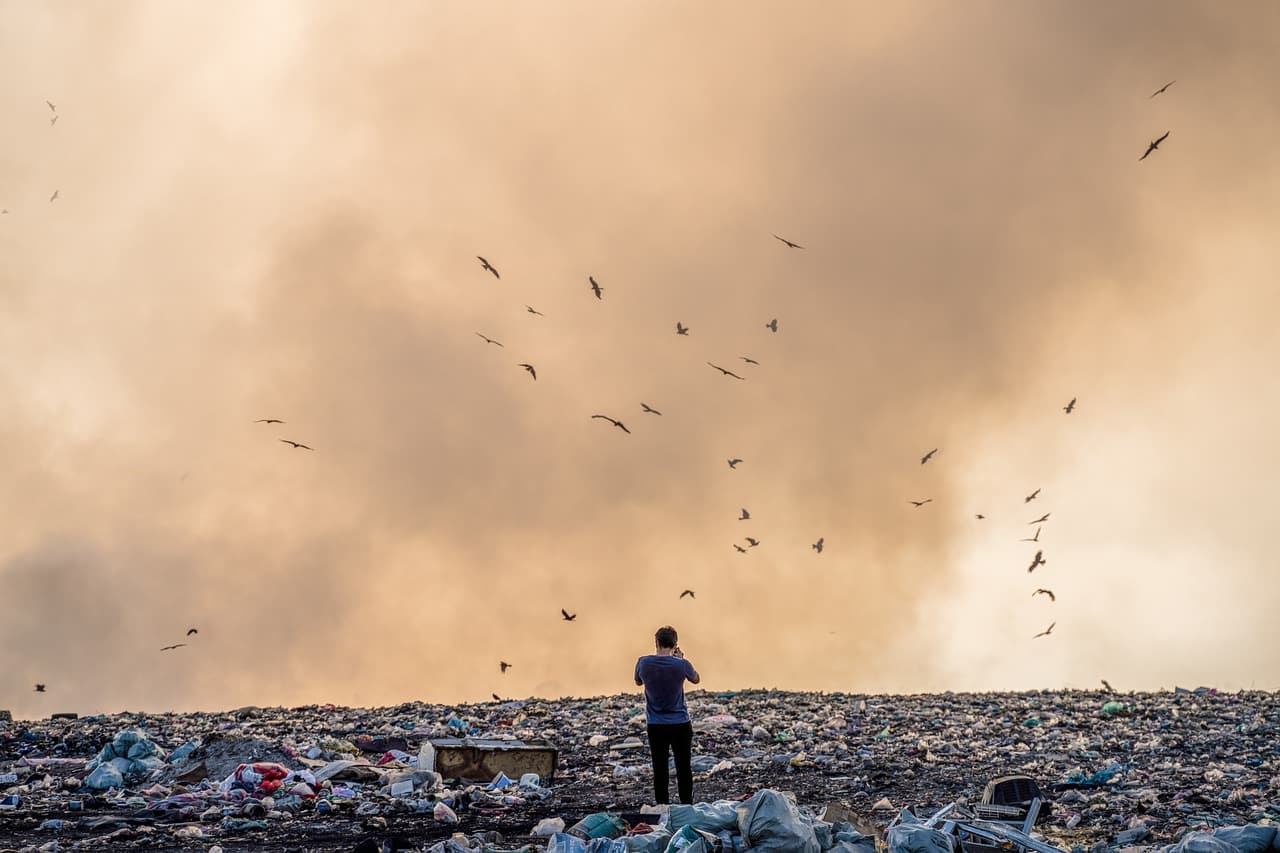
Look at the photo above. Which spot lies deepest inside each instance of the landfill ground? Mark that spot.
(1155, 763)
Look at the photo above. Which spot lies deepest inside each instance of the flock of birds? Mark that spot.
(682, 330)
(1037, 561)
(818, 546)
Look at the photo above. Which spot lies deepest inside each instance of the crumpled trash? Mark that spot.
(770, 821)
(690, 840)
(606, 845)
(105, 776)
(259, 778)
(598, 825)
(1181, 762)
(1093, 780)
(562, 842)
(917, 838)
(1228, 839)
(130, 757)
(653, 841)
(348, 770)
(548, 826)
(183, 751)
(712, 817)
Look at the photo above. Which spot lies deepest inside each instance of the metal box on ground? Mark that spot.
(479, 760)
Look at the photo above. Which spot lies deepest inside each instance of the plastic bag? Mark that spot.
(650, 842)
(712, 817)
(917, 838)
(690, 840)
(606, 845)
(1247, 839)
(549, 826)
(771, 822)
(599, 825)
(562, 842)
(1227, 839)
(263, 777)
(105, 776)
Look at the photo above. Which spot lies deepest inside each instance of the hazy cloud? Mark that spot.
(274, 211)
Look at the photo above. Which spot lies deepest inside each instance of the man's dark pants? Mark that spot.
(678, 738)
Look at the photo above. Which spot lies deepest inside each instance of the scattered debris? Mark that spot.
(1171, 769)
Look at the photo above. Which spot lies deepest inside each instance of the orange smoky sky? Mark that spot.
(273, 210)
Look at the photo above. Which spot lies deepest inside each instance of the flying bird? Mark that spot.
(54, 196)
(979, 516)
(790, 245)
(748, 360)
(1161, 89)
(1109, 688)
(504, 665)
(650, 409)
(532, 372)
(1041, 520)
(268, 421)
(619, 424)
(733, 463)
(918, 504)
(39, 688)
(1047, 592)
(296, 445)
(567, 616)
(817, 546)
(595, 287)
(689, 593)
(1046, 632)
(1038, 560)
(488, 266)
(1035, 538)
(752, 542)
(174, 646)
(489, 340)
(681, 329)
(772, 325)
(191, 631)
(52, 107)
(746, 516)
(928, 456)
(53, 121)
(496, 697)
(739, 548)
(1152, 146)
(725, 372)
(1070, 407)
(533, 310)
(1029, 498)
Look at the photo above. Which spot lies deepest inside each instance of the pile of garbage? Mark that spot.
(1119, 770)
(766, 821)
(131, 756)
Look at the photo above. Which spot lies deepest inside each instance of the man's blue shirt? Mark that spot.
(663, 678)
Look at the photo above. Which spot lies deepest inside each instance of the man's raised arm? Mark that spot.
(693, 676)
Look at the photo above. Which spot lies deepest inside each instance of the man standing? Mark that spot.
(663, 675)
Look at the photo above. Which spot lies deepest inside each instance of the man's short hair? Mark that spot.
(666, 637)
